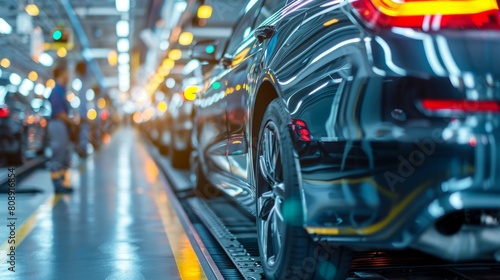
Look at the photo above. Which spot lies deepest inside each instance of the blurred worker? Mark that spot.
(59, 125)
(84, 129)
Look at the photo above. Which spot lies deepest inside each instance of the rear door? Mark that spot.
(244, 51)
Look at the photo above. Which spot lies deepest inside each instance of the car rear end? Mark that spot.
(434, 139)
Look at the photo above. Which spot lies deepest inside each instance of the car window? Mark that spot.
(270, 7)
(244, 27)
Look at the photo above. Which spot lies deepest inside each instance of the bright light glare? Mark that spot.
(123, 58)
(122, 6)
(5, 27)
(75, 103)
(170, 83)
(122, 28)
(39, 88)
(46, 60)
(15, 79)
(90, 94)
(77, 84)
(123, 45)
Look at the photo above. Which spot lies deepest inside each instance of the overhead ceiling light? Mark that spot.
(175, 54)
(123, 68)
(90, 94)
(122, 28)
(15, 79)
(123, 45)
(191, 66)
(170, 83)
(45, 60)
(39, 88)
(27, 85)
(186, 38)
(122, 6)
(112, 58)
(32, 10)
(77, 84)
(123, 58)
(62, 52)
(50, 83)
(5, 63)
(5, 27)
(204, 12)
(33, 76)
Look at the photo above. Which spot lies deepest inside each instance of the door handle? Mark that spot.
(264, 32)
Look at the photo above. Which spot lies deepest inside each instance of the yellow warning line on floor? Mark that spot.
(186, 259)
(30, 223)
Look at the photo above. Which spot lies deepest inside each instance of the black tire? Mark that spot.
(180, 158)
(18, 157)
(286, 249)
(202, 187)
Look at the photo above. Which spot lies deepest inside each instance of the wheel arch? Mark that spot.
(265, 94)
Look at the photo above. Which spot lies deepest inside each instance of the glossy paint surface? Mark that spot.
(376, 167)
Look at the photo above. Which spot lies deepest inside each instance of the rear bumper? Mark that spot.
(389, 203)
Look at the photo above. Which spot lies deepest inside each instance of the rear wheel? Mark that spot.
(286, 249)
(18, 157)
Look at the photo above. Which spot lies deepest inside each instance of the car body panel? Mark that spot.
(376, 168)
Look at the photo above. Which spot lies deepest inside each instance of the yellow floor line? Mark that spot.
(30, 223)
(186, 259)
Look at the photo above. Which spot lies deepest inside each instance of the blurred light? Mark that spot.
(57, 35)
(39, 88)
(62, 52)
(46, 92)
(123, 45)
(122, 28)
(123, 68)
(180, 6)
(5, 27)
(0, 73)
(104, 115)
(70, 97)
(170, 83)
(175, 54)
(90, 94)
(205, 12)
(91, 114)
(122, 6)
(124, 87)
(168, 63)
(33, 76)
(210, 49)
(164, 45)
(77, 84)
(75, 103)
(15, 79)
(32, 10)
(28, 84)
(101, 103)
(112, 58)
(50, 83)
(190, 66)
(162, 106)
(124, 58)
(45, 60)
(5, 63)
(216, 85)
(186, 38)
(190, 93)
(137, 117)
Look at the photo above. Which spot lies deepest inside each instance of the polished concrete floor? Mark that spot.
(119, 223)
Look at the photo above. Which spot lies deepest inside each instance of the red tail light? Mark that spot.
(465, 106)
(4, 112)
(423, 14)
